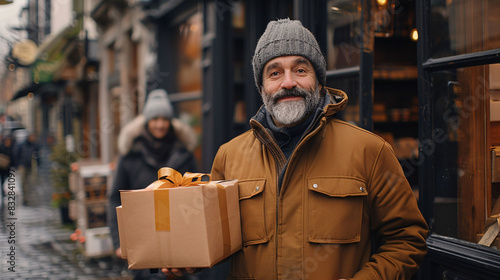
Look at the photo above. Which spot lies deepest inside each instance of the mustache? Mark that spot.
(293, 92)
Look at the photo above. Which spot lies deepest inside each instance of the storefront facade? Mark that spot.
(423, 75)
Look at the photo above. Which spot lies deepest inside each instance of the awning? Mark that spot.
(52, 54)
(44, 89)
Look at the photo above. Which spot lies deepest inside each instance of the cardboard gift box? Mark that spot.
(177, 223)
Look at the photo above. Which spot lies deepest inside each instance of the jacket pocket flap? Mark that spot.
(247, 189)
(338, 186)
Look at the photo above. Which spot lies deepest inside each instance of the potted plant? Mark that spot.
(59, 175)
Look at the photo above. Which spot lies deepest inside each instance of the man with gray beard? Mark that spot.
(316, 193)
(291, 112)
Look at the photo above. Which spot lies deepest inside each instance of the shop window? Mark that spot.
(189, 46)
(350, 85)
(240, 122)
(395, 73)
(461, 27)
(343, 44)
(344, 34)
(187, 100)
(466, 134)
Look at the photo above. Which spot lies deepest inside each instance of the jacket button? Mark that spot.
(257, 188)
(362, 189)
(315, 186)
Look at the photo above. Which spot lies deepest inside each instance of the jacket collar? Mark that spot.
(338, 102)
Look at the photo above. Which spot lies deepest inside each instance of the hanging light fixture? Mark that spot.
(383, 16)
(414, 34)
(5, 2)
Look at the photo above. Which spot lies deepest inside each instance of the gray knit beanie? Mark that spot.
(158, 105)
(287, 37)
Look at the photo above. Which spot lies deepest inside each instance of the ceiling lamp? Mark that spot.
(414, 34)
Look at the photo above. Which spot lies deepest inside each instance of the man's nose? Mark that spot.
(288, 81)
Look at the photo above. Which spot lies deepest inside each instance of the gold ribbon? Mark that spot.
(170, 178)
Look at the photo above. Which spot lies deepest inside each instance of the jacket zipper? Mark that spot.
(275, 151)
(277, 221)
(308, 135)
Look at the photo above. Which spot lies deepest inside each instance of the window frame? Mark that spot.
(447, 256)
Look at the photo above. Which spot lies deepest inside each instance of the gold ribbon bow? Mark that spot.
(170, 178)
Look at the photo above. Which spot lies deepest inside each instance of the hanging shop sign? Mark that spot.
(25, 52)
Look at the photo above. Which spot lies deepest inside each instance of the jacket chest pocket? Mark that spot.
(253, 225)
(335, 209)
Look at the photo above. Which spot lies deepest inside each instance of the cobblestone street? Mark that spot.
(43, 250)
(34, 244)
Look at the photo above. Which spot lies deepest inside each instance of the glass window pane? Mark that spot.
(189, 46)
(187, 101)
(464, 192)
(494, 137)
(466, 26)
(350, 85)
(344, 34)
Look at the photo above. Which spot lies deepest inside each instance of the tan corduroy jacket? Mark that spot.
(343, 190)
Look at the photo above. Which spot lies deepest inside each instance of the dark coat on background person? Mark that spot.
(7, 152)
(24, 154)
(142, 156)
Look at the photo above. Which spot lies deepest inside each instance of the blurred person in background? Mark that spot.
(151, 141)
(26, 161)
(5, 161)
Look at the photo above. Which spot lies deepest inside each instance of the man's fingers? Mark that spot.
(177, 271)
(190, 270)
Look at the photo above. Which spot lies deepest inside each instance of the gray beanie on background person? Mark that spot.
(287, 37)
(158, 105)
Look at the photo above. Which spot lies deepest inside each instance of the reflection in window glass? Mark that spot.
(460, 27)
(464, 193)
(189, 46)
(189, 74)
(344, 35)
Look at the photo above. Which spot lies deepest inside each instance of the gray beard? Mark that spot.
(292, 112)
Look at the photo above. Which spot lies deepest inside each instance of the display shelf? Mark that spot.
(393, 72)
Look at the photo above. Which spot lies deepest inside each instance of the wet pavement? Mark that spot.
(34, 243)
